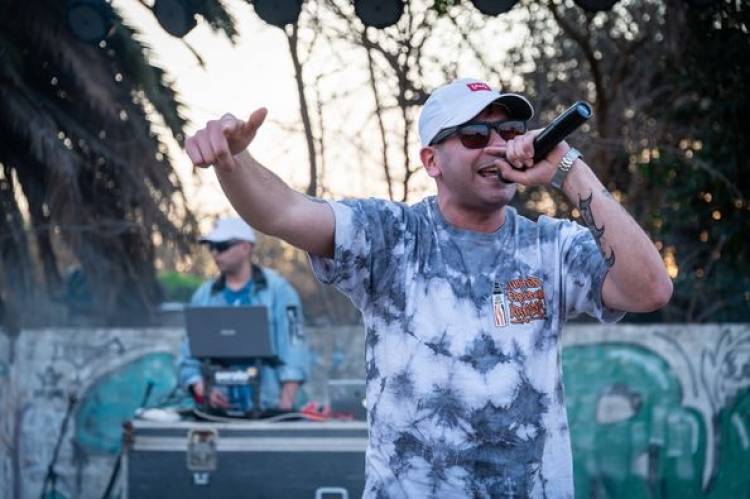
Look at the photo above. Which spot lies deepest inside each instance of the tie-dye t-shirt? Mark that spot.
(464, 384)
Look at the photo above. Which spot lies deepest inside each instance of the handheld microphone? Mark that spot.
(561, 127)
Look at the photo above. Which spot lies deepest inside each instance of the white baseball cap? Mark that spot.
(229, 229)
(459, 101)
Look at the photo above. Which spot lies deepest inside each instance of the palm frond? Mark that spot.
(131, 57)
(218, 17)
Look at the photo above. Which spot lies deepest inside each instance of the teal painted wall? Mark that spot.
(115, 396)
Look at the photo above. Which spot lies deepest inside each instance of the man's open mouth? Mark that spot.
(489, 171)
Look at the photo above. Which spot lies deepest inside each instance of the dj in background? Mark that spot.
(243, 283)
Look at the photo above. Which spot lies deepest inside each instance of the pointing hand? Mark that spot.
(221, 140)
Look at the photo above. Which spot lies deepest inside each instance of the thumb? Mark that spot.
(510, 174)
(255, 120)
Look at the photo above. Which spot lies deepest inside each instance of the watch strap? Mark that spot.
(563, 168)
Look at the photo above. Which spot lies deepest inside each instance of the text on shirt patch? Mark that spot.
(525, 300)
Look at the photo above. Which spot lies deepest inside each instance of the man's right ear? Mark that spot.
(428, 155)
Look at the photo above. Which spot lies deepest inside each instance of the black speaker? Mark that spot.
(379, 14)
(596, 5)
(177, 17)
(89, 20)
(278, 12)
(494, 7)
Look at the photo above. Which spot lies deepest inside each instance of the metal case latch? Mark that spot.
(201, 449)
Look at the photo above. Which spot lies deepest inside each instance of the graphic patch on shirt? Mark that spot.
(500, 306)
(525, 300)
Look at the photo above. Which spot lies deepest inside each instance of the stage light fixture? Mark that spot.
(596, 5)
(278, 12)
(177, 17)
(493, 7)
(700, 4)
(380, 14)
(89, 20)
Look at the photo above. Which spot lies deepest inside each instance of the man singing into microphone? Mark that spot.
(463, 298)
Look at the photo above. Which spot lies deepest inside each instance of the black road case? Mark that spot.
(247, 459)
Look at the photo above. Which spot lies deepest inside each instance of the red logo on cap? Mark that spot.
(476, 87)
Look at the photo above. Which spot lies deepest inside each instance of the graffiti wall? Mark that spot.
(659, 412)
(654, 411)
(76, 387)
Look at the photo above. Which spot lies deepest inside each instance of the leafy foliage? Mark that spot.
(706, 207)
(179, 287)
(84, 176)
(666, 81)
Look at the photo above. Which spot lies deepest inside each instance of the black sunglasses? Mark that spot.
(477, 135)
(221, 246)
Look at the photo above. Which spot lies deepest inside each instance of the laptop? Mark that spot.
(229, 333)
(347, 398)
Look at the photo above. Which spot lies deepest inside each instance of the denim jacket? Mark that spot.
(287, 332)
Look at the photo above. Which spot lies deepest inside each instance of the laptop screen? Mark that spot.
(229, 333)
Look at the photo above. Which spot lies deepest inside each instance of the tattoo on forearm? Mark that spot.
(584, 206)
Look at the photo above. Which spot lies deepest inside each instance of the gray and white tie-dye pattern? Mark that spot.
(459, 406)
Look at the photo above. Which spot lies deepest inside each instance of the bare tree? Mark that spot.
(292, 34)
(401, 64)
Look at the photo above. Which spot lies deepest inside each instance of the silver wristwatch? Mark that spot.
(566, 163)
